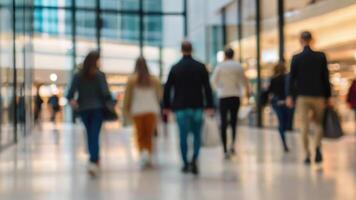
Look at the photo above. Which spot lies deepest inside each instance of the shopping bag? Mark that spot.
(211, 136)
(245, 111)
(109, 112)
(331, 124)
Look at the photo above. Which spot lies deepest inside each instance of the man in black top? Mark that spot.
(309, 81)
(187, 92)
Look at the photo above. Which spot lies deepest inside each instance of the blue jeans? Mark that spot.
(282, 116)
(92, 120)
(189, 120)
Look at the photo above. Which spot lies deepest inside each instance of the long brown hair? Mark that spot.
(142, 72)
(90, 65)
(279, 69)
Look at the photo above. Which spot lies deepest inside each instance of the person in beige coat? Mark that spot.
(142, 105)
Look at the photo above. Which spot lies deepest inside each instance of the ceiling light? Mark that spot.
(53, 77)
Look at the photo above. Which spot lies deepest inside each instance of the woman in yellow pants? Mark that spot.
(142, 105)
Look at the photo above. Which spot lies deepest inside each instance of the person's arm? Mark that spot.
(168, 89)
(270, 86)
(247, 84)
(292, 82)
(72, 88)
(207, 89)
(292, 78)
(349, 93)
(158, 88)
(71, 92)
(215, 78)
(105, 87)
(128, 98)
(325, 76)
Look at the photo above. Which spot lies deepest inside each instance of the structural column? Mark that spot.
(74, 35)
(142, 27)
(239, 27)
(74, 49)
(14, 89)
(281, 30)
(98, 25)
(185, 15)
(258, 62)
(223, 26)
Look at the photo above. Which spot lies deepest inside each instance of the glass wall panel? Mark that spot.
(173, 35)
(124, 28)
(43, 50)
(153, 30)
(120, 4)
(52, 54)
(168, 6)
(269, 50)
(23, 64)
(53, 3)
(86, 33)
(6, 75)
(119, 48)
(86, 3)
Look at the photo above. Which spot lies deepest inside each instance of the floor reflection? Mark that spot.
(51, 165)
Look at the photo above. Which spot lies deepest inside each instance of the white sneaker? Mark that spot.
(145, 160)
(93, 169)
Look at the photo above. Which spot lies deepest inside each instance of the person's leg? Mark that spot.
(96, 123)
(282, 115)
(303, 109)
(290, 119)
(52, 114)
(139, 127)
(150, 122)
(223, 108)
(85, 116)
(196, 125)
(234, 109)
(183, 125)
(318, 107)
(197, 122)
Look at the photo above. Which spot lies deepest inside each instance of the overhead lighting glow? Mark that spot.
(53, 77)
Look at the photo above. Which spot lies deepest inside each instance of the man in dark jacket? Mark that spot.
(309, 81)
(187, 92)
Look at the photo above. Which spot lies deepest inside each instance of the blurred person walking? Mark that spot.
(351, 97)
(309, 81)
(187, 92)
(92, 89)
(142, 104)
(278, 93)
(38, 104)
(53, 103)
(229, 80)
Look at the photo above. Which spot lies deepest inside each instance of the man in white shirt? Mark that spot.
(229, 80)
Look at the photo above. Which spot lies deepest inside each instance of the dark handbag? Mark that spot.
(109, 112)
(264, 98)
(331, 124)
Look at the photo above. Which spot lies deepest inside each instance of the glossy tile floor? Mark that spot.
(50, 165)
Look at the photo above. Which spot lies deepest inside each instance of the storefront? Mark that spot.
(331, 22)
(15, 71)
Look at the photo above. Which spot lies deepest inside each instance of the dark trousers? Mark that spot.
(290, 118)
(92, 120)
(282, 116)
(229, 108)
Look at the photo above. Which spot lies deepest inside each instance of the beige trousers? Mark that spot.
(311, 109)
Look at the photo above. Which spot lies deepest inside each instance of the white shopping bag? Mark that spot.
(211, 136)
(244, 111)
